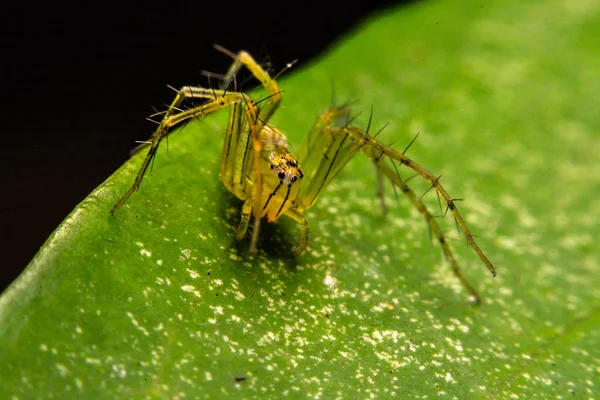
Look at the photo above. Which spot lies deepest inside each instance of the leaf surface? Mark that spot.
(160, 301)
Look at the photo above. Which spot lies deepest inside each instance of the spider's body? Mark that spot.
(259, 168)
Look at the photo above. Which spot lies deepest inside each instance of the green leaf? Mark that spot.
(160, 301)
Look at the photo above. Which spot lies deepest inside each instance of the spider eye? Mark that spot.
(281, 175)
(273, 166)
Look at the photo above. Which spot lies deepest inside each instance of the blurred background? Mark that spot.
(78, 82)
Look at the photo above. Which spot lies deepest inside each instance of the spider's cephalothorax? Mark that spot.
(258, 167)
(286, 168)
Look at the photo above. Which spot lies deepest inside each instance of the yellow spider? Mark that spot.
(258, 167)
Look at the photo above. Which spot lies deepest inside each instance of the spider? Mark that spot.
(258, 167)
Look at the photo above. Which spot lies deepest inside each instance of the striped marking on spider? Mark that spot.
(258, 167)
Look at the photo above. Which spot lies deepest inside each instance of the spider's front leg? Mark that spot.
(218, 99)
(243, 58)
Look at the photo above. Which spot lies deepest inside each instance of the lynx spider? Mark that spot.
(258, 167)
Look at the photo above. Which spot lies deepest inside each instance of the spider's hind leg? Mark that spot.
(384, 168)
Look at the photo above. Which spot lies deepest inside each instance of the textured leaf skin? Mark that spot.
(160, 301)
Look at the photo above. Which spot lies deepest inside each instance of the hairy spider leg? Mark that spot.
(434, 227)
(244, 59)
(323, 154)
(370, 142)
(171, 120)
(331, 144)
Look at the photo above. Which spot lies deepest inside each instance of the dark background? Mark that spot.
(78, 81)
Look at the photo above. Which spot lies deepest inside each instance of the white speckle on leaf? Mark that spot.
(193, 274)
(191, 289)
(137, 324)
(63, 370)
(330, 281)
(120, 370)
(93, 361)
(145, 252)
(185, 254)
(218, 310)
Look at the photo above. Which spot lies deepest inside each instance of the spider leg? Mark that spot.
(243, 226)
(393, 175)
(244, 59)
(330, 145)
(362, 137)
(380, 191)
(376, 156)
(324, 153)
(171, 120)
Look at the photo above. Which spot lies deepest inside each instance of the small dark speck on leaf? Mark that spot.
(240, 378)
